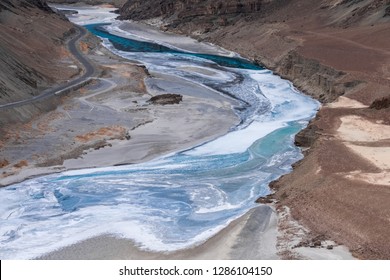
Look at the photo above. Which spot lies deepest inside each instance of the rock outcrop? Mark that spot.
(166, 99)
(382, 103)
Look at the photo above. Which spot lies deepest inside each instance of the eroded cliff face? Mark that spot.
(183, 9)
(33, 55)
(344, 12)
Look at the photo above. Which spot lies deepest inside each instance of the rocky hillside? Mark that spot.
(32, 51)
(181, 11)
(187, 9)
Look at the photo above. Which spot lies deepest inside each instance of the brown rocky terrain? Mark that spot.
(338, 52)
(185, 10)
(33, 55)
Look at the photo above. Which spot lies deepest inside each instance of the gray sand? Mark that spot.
(253, 236)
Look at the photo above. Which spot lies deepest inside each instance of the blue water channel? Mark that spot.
(130, 45)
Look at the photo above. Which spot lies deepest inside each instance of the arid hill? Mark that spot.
(33, 55)
(189, 10)
(181, 11)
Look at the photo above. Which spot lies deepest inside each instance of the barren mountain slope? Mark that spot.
(33, 55)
